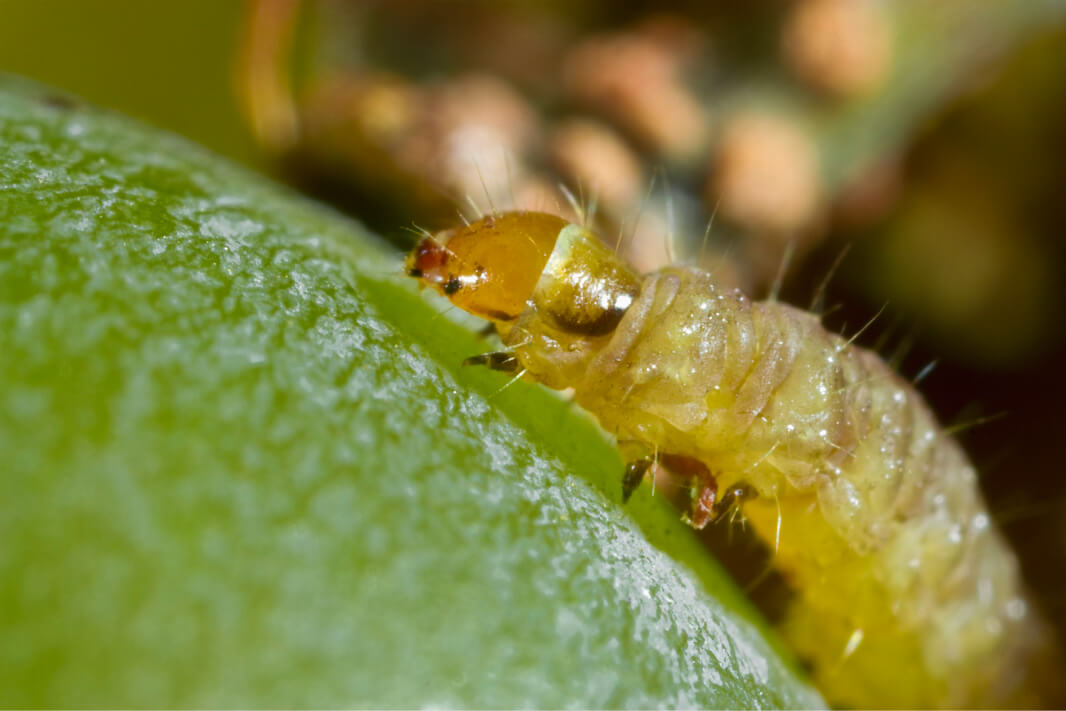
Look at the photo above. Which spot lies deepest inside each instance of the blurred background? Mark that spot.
(902, 159)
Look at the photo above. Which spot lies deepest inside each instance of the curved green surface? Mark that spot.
(242, 467)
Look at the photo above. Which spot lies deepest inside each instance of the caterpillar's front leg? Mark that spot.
(500, 360)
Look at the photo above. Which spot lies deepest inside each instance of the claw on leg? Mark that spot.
(703, 497)
(703, 487)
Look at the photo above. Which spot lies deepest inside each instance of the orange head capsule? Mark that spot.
(502, 266)
(490, 267)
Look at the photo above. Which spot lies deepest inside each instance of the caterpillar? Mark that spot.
(904, 592)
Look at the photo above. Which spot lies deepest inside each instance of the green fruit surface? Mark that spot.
(241, 466)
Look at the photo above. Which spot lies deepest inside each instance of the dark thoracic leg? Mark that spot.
(733, 498)
(640, 459)
(505, 362)
(634, 475)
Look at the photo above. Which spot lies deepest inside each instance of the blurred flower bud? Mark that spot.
(594, 159)
(635, 81)
(766, 174)
(841, 47)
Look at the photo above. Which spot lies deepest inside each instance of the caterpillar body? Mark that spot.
(905, 594)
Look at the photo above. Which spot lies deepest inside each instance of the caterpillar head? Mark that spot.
(531, 265)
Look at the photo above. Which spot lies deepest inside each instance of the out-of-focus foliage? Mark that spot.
(169, 63)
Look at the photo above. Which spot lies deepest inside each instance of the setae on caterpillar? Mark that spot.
(905, 594)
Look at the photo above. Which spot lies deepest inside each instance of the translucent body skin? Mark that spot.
(905, 594)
